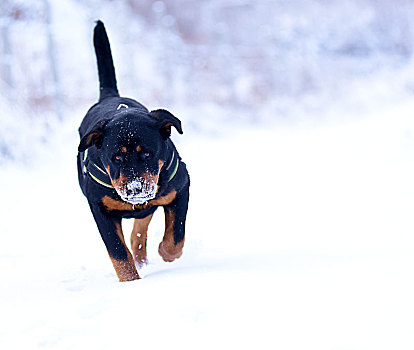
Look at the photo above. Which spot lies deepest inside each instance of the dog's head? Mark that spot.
(132, 146)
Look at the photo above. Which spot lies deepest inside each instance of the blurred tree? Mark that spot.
(6, 55)
(234, 54)
(57, 98)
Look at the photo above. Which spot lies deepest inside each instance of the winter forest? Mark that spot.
(299, 139)
(249, 61)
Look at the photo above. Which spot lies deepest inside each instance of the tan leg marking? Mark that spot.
(139, 240)
(168, 250)
(125, 270)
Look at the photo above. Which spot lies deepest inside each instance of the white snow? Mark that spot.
(320, 256)
(138, 191)
(322, 259)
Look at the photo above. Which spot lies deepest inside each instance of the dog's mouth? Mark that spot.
(137, 191)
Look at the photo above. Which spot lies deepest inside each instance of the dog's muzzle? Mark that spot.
(138, 191)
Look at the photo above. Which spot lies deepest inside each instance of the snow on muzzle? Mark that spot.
(137, 191)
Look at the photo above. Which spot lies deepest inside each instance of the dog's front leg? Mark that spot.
(139, 240)
(172, 243)
(111, 232)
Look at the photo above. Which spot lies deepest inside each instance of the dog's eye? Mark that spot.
(147, 155)
(118, 158)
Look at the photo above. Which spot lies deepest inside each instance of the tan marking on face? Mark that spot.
(147, 176)
(118, 183)
(150, 177)
(124, 149)
(168, 250)
(160, 165)
(125, 270)
(139, 148)
(139, 240)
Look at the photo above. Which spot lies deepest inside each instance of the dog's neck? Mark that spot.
(172, 164)
(93, 166)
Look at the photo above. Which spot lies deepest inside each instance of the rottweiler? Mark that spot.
(128, 167)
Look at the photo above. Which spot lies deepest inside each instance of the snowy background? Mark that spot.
(299, 138)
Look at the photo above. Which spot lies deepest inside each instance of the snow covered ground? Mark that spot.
(299, 236)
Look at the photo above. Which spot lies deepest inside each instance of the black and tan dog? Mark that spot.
(128, 167)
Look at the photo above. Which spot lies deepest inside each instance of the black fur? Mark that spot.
(130, 143)
(105, 63)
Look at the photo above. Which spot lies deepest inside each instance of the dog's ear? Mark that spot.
(93, 137)
(165, 120)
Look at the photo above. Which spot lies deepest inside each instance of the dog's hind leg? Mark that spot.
(172, 244)
(111, 233)
(139, 240)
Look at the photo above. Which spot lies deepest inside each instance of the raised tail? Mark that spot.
(106, 70)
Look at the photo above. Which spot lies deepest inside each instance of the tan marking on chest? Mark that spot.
(114, 204)
(164, 200)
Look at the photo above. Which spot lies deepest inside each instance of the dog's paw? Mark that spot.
(170, 254)
(140, 262)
